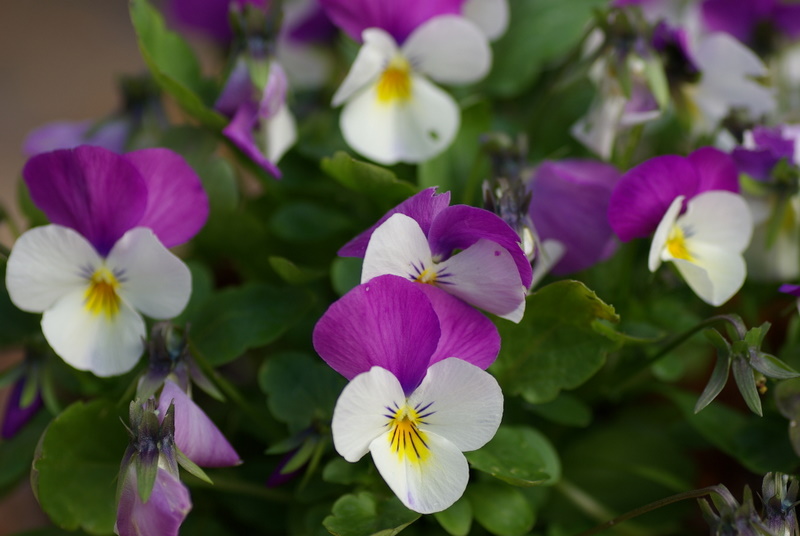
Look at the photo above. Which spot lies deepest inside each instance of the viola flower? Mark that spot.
(764, 147)
(469, 252)
(644, 194)
(392, 112)
(569, 205)
(418, 396)
(706, 243)
(104, 258)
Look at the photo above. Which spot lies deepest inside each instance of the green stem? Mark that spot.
(591, 507)
(693, 494)
(233, 485)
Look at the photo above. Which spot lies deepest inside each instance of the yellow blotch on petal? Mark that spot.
(676, 244)
(407, 441)
(101, 296)
(395, 81)
(428, 276)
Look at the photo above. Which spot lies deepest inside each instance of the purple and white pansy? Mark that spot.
(418, 395)
(104, 259)
(469, 252)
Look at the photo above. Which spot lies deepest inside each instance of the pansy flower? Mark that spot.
(469, 252)
(104, 260)
(392, 112)
(418, 396)
(764, 147)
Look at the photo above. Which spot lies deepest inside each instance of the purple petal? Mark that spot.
(208, 17)
(237, 91)
(794, 290)
(177, 204)
(569, 203)
(644, 193)
(92, 190)
(314, 26)
(460, 226)
(162, 514)
(399, 19)
(240, 132)
(111, 135)
(387, 322)
(757, 163)
(736, 17)
(423, 207)
(466, 333)
(715, 170)
(197, 437)
(15, 415)
(787, 19)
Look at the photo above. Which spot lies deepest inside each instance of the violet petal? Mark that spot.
(387, 322)
(240, 132)
(162, 514)
(177, 204)
(715, 170)
(794, 290)
(15, 415)
(92, 190)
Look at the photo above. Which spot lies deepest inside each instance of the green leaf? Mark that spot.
(452, 169)
(746, 382)
(772, 367)
(539, 32)
(719, 377)
(500, 509)
(300, 388)
(303, 222)
(340, 471)
(190, 467)
(172, 63)
(16, 325)
(202, 288)
(518, 455)
(76, 467)
(555, 346)
(456, 520)
(365, 515)
(293, 274)
(16, 453)
(345, 274)
(565, 409)
(234, 320)
(376, 182)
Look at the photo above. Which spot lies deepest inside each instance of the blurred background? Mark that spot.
(59, 60)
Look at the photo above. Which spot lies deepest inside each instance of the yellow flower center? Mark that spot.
(427, 276)
(676, 244)
(395, 81)
(406, 439)
(101, 296)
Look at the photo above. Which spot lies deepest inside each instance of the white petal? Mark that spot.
(106, 345)
(411, 130)
(715, 275)
(47, 263)
(281, 133)
(449, 49)
(396, 247)
(718, 218)
(486, 276)
(378, 49)
(151, 279)
(721, 53)
(491, 16)
(659, 242)
(307, 66)
(548, 256)
(361, 413)
(464, 404)
(425, 486)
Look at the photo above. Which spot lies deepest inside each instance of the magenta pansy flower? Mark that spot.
(643, 194)
(418, 396)
(104, 259)
(469, 252)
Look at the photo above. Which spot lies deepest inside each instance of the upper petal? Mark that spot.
(97, 192)
(449, 49)
(715, 170)
(152, 279)
(491, 16)
(466, 333)
(361, 412)
(397, 247)
(666, 224)
(719, 218)
(464, 404)
(378, 49)
(423, 207)
(197, 437)
(177, 204)
(47, 263)
(386, 322)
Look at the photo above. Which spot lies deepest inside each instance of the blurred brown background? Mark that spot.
(59, 60)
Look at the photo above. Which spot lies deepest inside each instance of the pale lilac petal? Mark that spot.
(460, 226)
(397, 18)
(17, 416)
(466, 333)
(162, 514)
(97, 192)
(177, 204)
(387, 322)
(715, 170)
(422, 207)
(197, 437)
(111, 135)
(569, 204)
(485, 276)
(644, 193)
(240, 132)
(238, 89)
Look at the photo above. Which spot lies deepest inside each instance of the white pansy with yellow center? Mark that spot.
(417, 440)
(392, 112)
(706, 243)
(92, 304)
